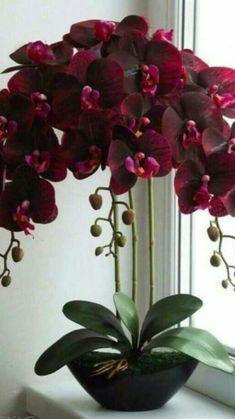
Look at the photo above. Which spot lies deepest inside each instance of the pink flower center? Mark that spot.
(142, 166)
(137, 124)
(88, 166)
(39, 52)
(42, 108)
(6, 128)
(89, 98)
(149, 79)
(21, 217)
(202, 197)
(104, 29)
(191, 134)
(163, 35)
(222, 101)
(39, 161)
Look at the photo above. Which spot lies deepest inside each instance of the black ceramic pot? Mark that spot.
(126, 392)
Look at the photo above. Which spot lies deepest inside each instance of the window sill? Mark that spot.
(70, 401)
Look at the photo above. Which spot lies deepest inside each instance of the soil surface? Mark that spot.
(144, 364)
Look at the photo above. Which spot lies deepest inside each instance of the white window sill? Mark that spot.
(70, 401)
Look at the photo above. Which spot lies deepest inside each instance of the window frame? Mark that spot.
(174, 234)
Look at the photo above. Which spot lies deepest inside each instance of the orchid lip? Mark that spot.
(202, 198)
(224, 101)
(89, 98)
(22, 218)
(6, 127)
(39, 161)
(142, 166)
(191, 134)
(39, 52)
(149, 79)
(87, 166)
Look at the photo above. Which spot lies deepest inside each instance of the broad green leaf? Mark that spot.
(128, 314)
(196, 343)
(95, 317)
(168, 312)
(70, 347)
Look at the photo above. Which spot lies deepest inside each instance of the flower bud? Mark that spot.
(213, 233)
(17, 254)
(6, 280)
(225, 283)
(96, 230)
(99, 250)
(96, 201)
(215, 260)
(128, 216)
(120, 240)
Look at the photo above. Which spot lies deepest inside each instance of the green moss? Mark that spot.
(144, 364)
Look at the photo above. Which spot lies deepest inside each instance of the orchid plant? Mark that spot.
(133, 104)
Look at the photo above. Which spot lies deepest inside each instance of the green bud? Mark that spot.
(99, 250)
(96, 201)
(225, 283)
(6, 280)
(215, 260)
(120, 240)
(96, 230)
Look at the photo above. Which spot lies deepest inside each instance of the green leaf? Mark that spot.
(168, 312)
(70, 347)
(128, 314)
(196, 343)
(95, 317)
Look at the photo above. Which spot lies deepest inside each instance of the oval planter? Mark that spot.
(128, 392)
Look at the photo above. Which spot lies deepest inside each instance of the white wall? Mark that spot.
(59, 264)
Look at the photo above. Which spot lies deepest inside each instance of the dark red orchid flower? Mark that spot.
(213, 140)
(39, 148)
(89, 33)
(86, 149)
(193, 65)
(219, 83)
(29, 81)
(16, 113)
(140, 115)
(132, 156)
(25, 200)
(201, 184)
(184, 123)
(99, 86)
(153, 68)
(35, 54)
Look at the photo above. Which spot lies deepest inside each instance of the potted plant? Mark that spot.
(133, 104)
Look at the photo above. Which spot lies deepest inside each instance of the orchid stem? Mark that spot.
(151, 243)
(134, 252)
(116, 248)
